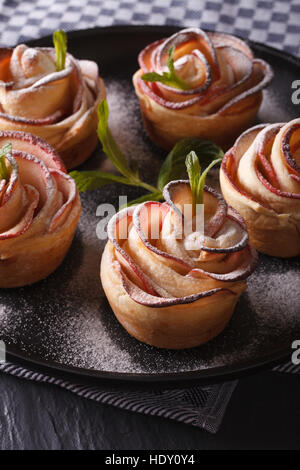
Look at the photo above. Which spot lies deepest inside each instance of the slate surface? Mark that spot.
(264, 413)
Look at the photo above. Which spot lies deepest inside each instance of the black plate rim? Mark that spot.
(215, 374)
(159, 29)
(210, 375)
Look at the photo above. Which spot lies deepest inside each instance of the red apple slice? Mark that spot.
(66, 185)
(159, 302)
(241, 272)
(178, 193)
(143, 215)
(118, 223)
(33, 145)
(26, 219)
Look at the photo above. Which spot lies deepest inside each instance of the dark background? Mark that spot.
(264, 413)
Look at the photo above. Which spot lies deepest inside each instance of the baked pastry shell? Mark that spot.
(178, 326)
(28, 258)
(73, 136)
(166, 127)
(40, 260)
(271, 233)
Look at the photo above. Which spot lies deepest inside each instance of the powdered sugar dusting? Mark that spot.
(272, 100)
(66, 318)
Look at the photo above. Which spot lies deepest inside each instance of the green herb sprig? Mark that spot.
(4, 171)
(169, 78)
(172, 168)
(197, 179)
(60, 42)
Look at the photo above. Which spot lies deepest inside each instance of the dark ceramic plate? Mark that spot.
(65, 322)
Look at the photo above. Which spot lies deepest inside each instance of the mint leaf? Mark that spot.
(172, 168)
(174, 165)
(4, 171)
(170, 61)
(197, 179)
(134, 168)
(155, 196)
(169, 78)
(60, 42)
(193, 169)
(155, 77)
(86, 180)
(203, 178)
(109, 145)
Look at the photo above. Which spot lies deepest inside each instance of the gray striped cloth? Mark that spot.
(288, 367)
(200, 406)
(274, 22)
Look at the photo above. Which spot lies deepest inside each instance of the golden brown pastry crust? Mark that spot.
(226, 83)
(60, 106)
(39, 211)
(165, 292)
(260, 178)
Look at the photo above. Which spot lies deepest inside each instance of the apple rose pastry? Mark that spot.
(39, 209)
(260, 178)
(57, 105)
(168, 284)
(197, 84)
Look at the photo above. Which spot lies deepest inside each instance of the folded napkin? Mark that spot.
(199, 406)
(288, 367)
